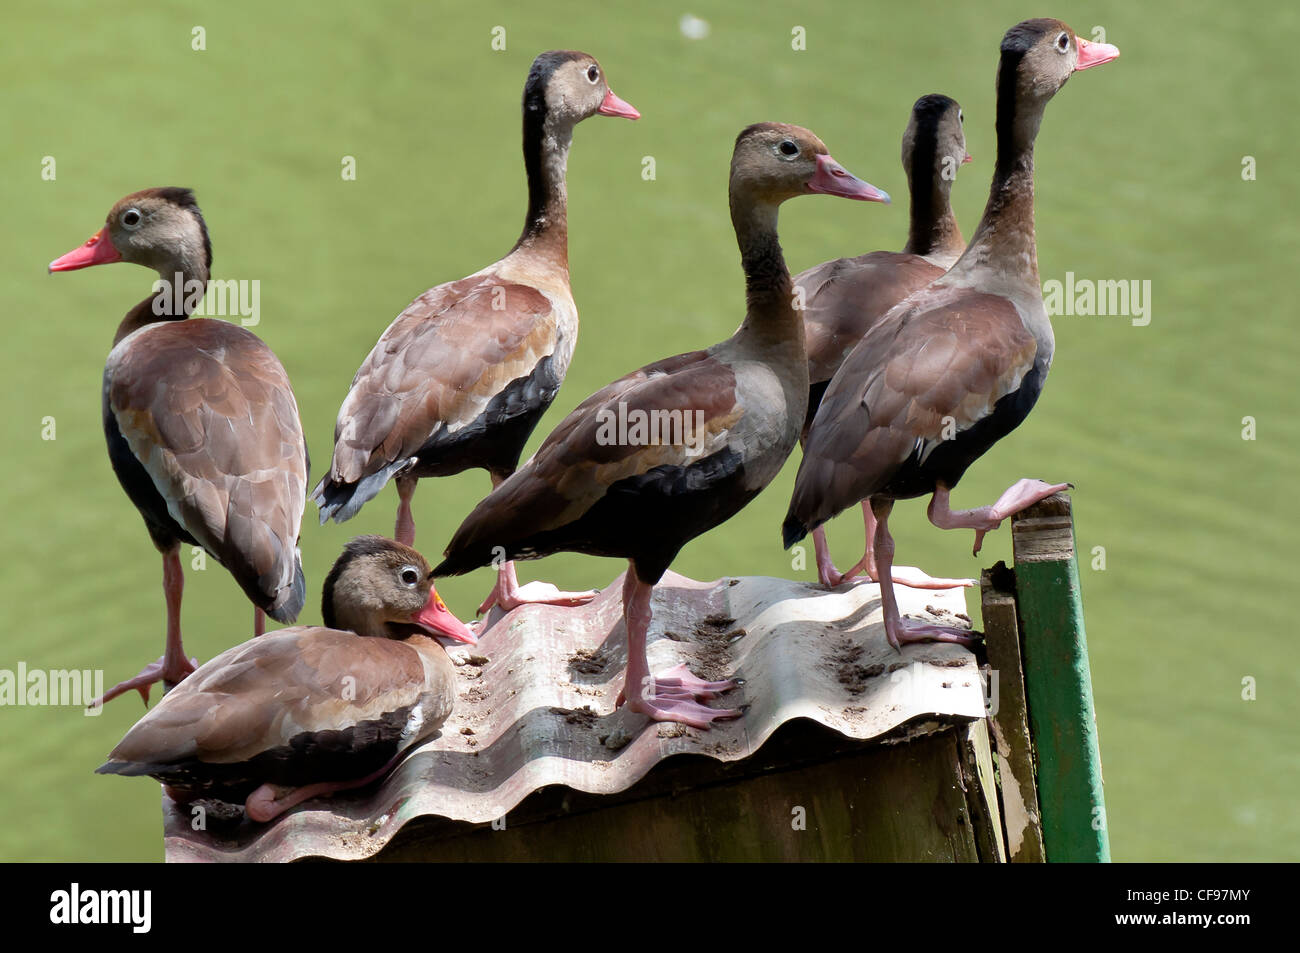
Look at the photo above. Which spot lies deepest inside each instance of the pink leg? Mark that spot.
(271, 800)
(259, 622)
(173, 666)
(508, 594)
(827, 574)
(671, 697)
(985, 519)
(898, 630)
(404, 532)
(909, 576)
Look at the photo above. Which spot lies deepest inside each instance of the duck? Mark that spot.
(958, 365)
(461, 378)
(604, 484)
(201, 421)
(308, 711)
(844, 297)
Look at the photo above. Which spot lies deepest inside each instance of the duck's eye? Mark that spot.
(131, 218)
(1063, 42)
(593, 74)
(410, 576)
(788, 148)
(960, 117)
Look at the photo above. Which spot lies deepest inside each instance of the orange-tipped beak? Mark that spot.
(98, 250)
(611, 105)
(969, 158)
(437, 619)
(1094, 54)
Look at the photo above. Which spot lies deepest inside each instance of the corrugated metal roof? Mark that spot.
(536, 705)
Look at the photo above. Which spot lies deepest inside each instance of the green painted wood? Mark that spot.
(1058, 683)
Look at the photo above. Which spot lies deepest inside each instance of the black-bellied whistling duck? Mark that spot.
(461, 377)
(970, 351)
(310, 710)
(846, 296)
(738, 405)
(202, 425)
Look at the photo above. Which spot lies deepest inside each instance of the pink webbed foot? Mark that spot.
(985, 519)
(675, 696)
(1020, 495)
(508, 594)
(679, 707)
(271, 800)
(908, 632)
(678, 680)
(156, 671)
(909, 576)
(915, 578)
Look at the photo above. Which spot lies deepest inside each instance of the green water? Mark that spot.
(1139, 177)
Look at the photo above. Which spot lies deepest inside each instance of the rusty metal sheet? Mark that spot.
(536, 705)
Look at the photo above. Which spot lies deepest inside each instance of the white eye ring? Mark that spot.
(960, 117)
(410, 577)
(593, 74)
(788, 148)
(1063, 42)
(131, 219)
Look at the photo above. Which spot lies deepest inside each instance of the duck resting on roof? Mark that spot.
(310, 710)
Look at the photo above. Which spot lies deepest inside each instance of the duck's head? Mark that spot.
(1042, 54)
(774, 161)
(565, 87)
(382, 589)
(161, 229)
(936, 134)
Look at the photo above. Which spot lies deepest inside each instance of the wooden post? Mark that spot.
(1010, 717)
(1058, 683)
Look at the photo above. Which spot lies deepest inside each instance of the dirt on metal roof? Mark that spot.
(536, 706)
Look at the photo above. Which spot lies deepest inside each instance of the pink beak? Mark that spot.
(613, 106)
(1094, 54)
(437, 619)
(969, 158)
(832, 178)
(98, 250)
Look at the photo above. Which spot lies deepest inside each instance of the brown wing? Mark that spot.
(926, 361)
(436, 369)
(207, 409)
(259, 695)
(844, 299)
(584, 456)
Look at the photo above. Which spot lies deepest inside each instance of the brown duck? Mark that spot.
(309, 710)
(957, 366)
(202, 425)
(598, 487)
(462, 376)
